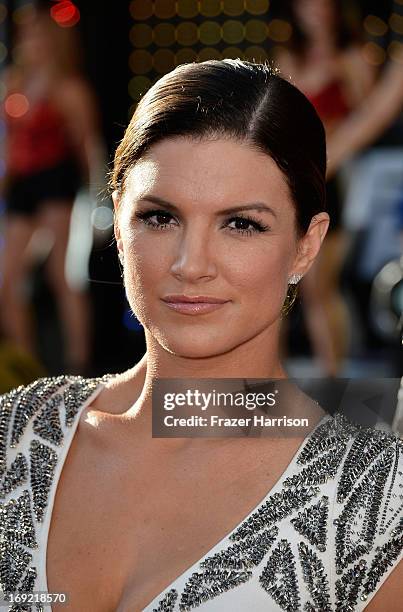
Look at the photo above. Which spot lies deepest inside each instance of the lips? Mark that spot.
(199, 299)
(194, 305)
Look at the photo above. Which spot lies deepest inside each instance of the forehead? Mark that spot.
(212, 172)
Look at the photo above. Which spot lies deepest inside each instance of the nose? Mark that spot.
(193, 261)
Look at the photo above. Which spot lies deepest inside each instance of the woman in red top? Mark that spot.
(327, 64)
(52, 145)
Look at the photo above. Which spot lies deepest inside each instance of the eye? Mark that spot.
(162, 218)
(242, 222)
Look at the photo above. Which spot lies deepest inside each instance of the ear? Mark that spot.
(309, 245)
(116, 204)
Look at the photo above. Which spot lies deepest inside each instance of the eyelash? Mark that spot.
(145, 218)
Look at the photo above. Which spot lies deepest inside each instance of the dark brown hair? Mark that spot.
(237, 99)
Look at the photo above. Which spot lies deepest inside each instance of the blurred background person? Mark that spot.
(52, 147)
(324, 59)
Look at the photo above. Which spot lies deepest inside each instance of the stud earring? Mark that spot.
(294, 279)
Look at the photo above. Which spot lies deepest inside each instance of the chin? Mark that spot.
(196, 345)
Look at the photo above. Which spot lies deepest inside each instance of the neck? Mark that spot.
(257, 358)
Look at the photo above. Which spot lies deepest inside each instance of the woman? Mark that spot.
(213, 200)
(52, 147)
(326, 62)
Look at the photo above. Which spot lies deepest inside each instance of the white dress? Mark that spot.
(324, 538)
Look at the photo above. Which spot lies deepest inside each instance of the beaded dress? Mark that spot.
(324, 538)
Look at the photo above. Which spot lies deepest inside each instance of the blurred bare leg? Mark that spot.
(15, 313)
(73, 304)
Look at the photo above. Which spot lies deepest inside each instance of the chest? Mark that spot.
(126, 535)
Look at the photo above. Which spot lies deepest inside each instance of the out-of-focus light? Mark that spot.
(2, 168)
(187, 8)
(164, 9)
(233, 32)
(65, 14)
(141, 9)
(256, 54)
(164, 61)
(24, 14)
(164, 34)
(209, 33)
(140, 61)
(255, 30)
(209, 53)
(395, 51)
(375, 26)
(373, 54)
(279, 30)
(232, 53)
(141, 35)
(185, 56)
(233, 8)
(210, 8)
(2, 128)
(102, 218)
(257, 7)
(130, 321)
(396, 23)
(3, 12)
(187, 33)
(16, 105)
(3, 52)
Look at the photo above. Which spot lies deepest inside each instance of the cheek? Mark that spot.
(259, 273)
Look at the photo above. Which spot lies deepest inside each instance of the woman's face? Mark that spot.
(315, 16)
(179, 237)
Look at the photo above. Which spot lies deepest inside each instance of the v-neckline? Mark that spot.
(192, 568)
(62, 459)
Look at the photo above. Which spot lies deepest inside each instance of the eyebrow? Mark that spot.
(259, 206)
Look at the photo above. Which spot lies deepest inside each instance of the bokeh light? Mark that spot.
(232, 53)
(395, 51)
(141, 61)
(210, 8)
(209, 53)
(257, 7)
(375, 26)
(164, 34)
(279, 30)
(16, 105)
(233, 8)
(141, 9)
(186, 56)
(396, 23)
(233, 32)
(187, 33)
(187, 8)
(373, 54)
(165, 9)
(141, 35)
(256, 53)
(102, 218)
(164, 60)
(209, 33)
(255, 30)
(65, 14)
